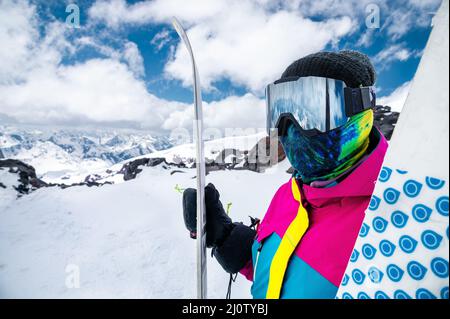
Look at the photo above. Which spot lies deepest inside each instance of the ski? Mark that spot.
(200, 166)
(409, 206)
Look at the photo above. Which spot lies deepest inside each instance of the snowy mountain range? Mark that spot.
(60, 153)
(63, 156)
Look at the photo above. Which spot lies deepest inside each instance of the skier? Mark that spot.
(322, 110)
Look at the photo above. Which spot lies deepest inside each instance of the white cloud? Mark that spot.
(366, 38)
(104, 91)
(234, 112)
(335, 8)
(403, 54)
(127, 53)
(396, 100)
(16, 36)
(134, 58)
(399, 22)
(397, 17)
(116, 13)
(396, 52)
(161, 39)
(246, 41)
(426, 3)
(100, 90)
(250, 42)
(22, 50)
(35, 87)
(409, 15)
(261, 52)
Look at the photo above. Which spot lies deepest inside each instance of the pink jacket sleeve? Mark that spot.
(247, 271)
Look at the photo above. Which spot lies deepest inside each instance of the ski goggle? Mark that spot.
(314, 104)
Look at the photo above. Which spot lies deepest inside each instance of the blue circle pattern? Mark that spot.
(391, 196)
(375, 275)
(369, 251)
(442, 206)
(399, 219)
(379, 224)
(374, 203)
(358, 276)
(385, 174)
(434, 183)
(345, 280)
(444, 293)
(439, 266)
(387, 248)
(354, 256)
(412, 188)
(421, 213)
(400, 294)
(363, 295)
(347, 296)
(394, 272)
(364, 230)
(431, 239)
(424, 294)
(381, 295)
(416, 270)
(407, 244)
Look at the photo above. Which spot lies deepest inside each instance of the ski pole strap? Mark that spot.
(230, 283)
(289, 242)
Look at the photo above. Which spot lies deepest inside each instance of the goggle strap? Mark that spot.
(358, 100)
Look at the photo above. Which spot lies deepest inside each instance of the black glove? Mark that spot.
(218, 224)
(231, 242)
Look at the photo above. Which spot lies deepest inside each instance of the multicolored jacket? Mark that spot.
(306, 238)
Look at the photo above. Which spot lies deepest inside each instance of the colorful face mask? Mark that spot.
(328, 155)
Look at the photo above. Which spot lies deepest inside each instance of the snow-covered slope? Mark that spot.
(127, 240)
(8, 184)
(55, 165)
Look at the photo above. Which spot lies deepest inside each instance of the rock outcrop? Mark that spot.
(131, 169)
(28, 181)
(385, 120)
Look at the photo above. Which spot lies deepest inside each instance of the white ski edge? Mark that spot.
(200, 166)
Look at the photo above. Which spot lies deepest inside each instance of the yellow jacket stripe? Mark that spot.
(289, 242)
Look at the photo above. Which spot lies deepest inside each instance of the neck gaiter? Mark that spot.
(328, 155)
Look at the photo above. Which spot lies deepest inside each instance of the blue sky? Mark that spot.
(125, 46)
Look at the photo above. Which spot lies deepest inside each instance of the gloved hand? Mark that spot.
(231, 242)
(218, 224)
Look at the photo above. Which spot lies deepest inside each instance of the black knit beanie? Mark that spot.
(352, 67)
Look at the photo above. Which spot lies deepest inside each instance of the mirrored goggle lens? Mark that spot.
(313, 102)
